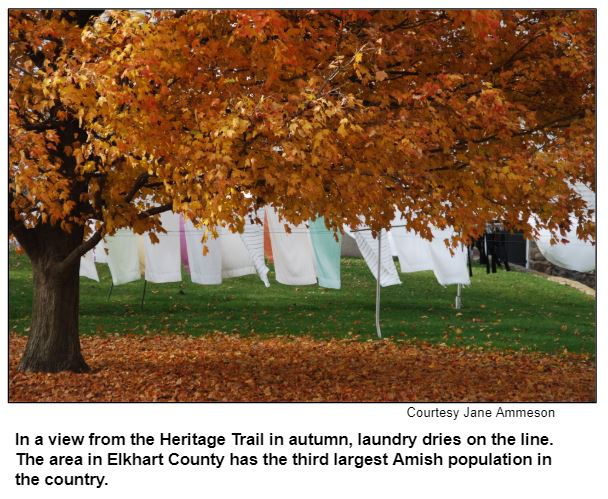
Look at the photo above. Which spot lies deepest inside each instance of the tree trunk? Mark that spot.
(53, 344)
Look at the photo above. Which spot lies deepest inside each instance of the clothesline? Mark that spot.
(572, 244)
(305, 232)
(310, 231)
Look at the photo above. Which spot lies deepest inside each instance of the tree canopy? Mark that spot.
(454, 117)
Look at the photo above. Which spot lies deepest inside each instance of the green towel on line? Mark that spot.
(327, 253)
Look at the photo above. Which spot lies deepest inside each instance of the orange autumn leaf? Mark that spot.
(220, 367)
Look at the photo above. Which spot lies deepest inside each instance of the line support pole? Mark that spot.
(378, 330)
(143, 295)
(458, 304)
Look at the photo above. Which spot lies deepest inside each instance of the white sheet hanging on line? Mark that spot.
(99, 252)
(413, 251)
(292, 253)
(448, 268)
(87, 266)
(369, 249)
(392, 244)
(417, 254)
(87, 261)
(123, 258)
(253, 238)
(577, 255)
(235, 257)
(587, 194)
(163, 259)
(204, 269)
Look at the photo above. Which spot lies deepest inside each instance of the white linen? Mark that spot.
(413, 251)
(99, 252)
(448, 268)
(235, 257)
(577, 255)
(204, 269)
(123, 259)
(87, 266)
(391, 242)
(417, 254)
(163, 259)
(292, 253)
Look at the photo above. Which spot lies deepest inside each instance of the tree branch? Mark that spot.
(138, 184)
(90, 243)
(76, 253)
(156, 210)
(511, 59)
(17, 227)
(407, 24)
(551, 123)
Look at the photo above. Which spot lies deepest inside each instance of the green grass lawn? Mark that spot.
(512, 310)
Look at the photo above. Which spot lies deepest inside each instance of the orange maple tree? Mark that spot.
(453, 117)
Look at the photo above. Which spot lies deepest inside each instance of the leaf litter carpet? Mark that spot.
(222, 367)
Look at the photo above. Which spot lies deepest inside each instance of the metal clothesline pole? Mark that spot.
(378, 330)
(458, 304)
(143, 295)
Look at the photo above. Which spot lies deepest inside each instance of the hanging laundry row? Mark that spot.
(129, 256)
(414, 253)
(306, 254)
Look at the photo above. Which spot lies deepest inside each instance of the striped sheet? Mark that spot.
(369, 249)
(253, 238)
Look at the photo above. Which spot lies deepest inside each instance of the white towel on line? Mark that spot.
(412, 250)
(163, 259)
(577, 254)
(87, 266)
(448, 268)
(391, 242)
(123, 258)
(292, 253)
(236, 261)
(204, 269)
(99, 251)
(417, 254)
